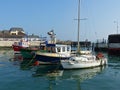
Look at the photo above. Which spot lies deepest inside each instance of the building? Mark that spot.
(33, 37)
(16, 31)
(14, 34)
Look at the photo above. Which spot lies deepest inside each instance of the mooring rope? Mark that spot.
(30, 61)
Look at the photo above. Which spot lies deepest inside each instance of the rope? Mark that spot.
(29, 62)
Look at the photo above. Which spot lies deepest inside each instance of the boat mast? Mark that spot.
(78, 47)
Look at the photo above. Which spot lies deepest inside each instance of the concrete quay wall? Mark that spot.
(9, 43)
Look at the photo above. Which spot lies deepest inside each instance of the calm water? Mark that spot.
(13, 77)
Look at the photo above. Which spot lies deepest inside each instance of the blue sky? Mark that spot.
(40, 16)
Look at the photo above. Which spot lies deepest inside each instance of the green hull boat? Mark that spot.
(28, 53)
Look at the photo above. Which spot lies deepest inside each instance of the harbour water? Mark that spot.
(13, 77)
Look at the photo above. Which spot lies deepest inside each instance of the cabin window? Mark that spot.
(58, 49)
(48, 49)
(53, 50)
(42, 48)
(63, 49)
(68, 48)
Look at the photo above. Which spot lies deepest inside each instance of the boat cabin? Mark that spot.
(55, 48)
(114, 38)
(114, 44)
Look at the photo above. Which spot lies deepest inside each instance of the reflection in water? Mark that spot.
(51, 72)
(55, 70)
(114, 62)
(47, 70)
(55, 75)
(16, 57)
(25, 64)
(82, 74)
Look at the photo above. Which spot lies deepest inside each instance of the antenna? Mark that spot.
(52, 36)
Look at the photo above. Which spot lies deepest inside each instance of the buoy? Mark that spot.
(36, 63)
(100, 55)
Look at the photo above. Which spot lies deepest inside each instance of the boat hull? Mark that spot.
(17, 48)
(114, 51)
(19, 45)
(114, 44)
(67, 64)
(51, 58)
(28, 53)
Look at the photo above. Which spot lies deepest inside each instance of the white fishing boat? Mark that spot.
(83, 60)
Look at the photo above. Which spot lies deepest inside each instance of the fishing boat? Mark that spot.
(79, 60)
(19, 45)
(51, 52)
(28, 53)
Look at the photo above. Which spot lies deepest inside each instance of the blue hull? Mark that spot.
(49, 58)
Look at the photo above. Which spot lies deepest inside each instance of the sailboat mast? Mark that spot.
(78, 47)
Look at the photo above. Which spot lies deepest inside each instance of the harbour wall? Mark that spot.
(9, 43)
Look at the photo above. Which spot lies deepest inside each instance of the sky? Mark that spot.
(40, 16)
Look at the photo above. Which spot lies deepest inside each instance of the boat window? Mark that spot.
(63, 49)
(20, 43)
(68, 48)
(42, 48)
(53, 50)
(58, 49)
(48, 49)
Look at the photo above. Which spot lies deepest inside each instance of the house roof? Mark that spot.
(16, 28)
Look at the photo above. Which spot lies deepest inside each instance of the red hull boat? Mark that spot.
(19, 45)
